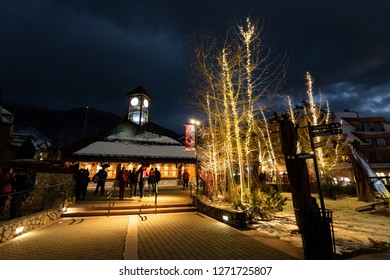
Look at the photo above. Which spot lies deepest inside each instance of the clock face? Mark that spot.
(134, 101)
(146, 103)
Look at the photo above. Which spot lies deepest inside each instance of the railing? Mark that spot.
(192, 186)
(111, 196)
(18, 204)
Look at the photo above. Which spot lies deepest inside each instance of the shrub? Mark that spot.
(264, 205)
(337, 191)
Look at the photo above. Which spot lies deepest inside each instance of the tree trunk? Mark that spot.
(297, 172)
(315, 230)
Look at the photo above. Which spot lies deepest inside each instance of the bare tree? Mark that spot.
(234, 84)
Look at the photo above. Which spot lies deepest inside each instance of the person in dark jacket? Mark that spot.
(85, 182)
(102, 176)
(158, 175)
(79, 183)
(133, 182)
(142, 175)
(186, 178)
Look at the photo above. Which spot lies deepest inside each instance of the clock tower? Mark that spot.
(138, 106)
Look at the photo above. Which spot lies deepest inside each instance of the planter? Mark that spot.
(231, 217)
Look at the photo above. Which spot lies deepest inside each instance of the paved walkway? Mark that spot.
(173, 236)
(181, 236)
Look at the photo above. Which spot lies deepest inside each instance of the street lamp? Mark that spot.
(196, 124)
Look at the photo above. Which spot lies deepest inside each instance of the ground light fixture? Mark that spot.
(19, 230)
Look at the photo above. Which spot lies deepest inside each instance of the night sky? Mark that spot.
(67, 54)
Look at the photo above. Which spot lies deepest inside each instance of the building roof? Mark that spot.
(6, 116)
(139, 89)
(129, 142)
(352, 133)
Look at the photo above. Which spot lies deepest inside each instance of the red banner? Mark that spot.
(190, 137)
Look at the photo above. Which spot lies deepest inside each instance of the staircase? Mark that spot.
(94, 210)
(170, 199)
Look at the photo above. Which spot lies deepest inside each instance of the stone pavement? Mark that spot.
(174, 236)
(170, 236)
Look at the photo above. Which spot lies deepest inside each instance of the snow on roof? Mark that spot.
(145, 136)
(6, 116)
(135, 150)
(5, 111)
(346, 126)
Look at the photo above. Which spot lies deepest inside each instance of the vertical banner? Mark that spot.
(190, 137)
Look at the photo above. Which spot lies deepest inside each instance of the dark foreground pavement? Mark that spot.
(173, 236)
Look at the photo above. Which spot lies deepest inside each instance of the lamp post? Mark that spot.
(196, 124)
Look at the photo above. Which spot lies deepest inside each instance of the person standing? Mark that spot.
(85, 182)
(133, 182)
(152, 180)
(142, 175)
(122, 176)
(186, 178)
(102, 177)
(158, 176)
(6, 180)
(79, 183)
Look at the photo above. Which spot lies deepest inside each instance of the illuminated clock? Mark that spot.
(146, 103)
(134, 101)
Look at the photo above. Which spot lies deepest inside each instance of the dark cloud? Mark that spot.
(65, 54)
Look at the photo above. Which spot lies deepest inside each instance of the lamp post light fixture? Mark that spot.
(196, 124)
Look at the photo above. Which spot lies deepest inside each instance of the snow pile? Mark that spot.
(353, 231)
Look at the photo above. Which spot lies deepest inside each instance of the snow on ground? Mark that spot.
(353, 231)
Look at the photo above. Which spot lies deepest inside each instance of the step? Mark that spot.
(73, 212)
(118, 206)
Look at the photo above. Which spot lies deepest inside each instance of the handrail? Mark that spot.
(111, 197)
(32, 190)
(155, 199)
(36, 199)
(192, 185)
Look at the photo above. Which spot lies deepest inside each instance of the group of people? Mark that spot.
(12, 187)
(140, 178)
(135, 179)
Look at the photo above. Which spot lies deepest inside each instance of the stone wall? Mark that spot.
(8, 229)
(50, 213)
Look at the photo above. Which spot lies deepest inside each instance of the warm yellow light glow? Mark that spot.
(291, 110)
(195, 122)
(313, 107)
(19, 230)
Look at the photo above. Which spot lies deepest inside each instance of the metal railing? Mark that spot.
(22, 203)
(199, 188)
(111, 196)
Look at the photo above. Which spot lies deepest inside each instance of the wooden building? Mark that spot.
(133, 142)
